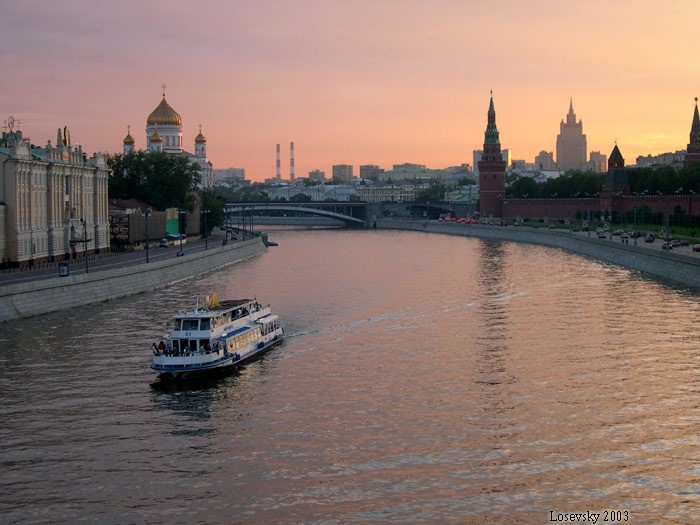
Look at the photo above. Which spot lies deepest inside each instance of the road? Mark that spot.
(110, 261)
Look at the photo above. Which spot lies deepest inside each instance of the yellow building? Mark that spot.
(53, 200)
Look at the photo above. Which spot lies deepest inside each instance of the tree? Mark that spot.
(161, 180)
(435, 192)
(300, 197)
(215, 204)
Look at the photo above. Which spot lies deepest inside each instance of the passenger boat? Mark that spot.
(216, 336)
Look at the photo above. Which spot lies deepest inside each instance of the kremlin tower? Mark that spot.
(692, 154)
(492, 170)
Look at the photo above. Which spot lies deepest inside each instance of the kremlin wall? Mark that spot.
(614, 198)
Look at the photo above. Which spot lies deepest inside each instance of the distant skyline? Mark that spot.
(352, 82)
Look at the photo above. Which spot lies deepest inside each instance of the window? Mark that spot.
(190, 324)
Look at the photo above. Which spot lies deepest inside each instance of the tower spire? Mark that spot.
(492, 169)
(692, 154)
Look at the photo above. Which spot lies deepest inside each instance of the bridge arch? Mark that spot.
(310, 209)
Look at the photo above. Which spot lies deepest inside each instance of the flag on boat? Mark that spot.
(212, 301)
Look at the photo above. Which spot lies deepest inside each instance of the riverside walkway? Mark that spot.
(42, 290)
(680, 266)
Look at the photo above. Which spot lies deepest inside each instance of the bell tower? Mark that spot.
(492, 170)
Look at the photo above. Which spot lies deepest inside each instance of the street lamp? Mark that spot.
(206, 232)
(148, 214)
(180, 213)
(85, 241)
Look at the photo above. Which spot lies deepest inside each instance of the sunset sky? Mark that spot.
(353, 82)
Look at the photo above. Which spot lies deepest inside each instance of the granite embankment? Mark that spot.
(47, 295)
(675, 267)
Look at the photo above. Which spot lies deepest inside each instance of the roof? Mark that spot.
(164, 114)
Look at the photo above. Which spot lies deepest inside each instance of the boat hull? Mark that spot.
(225, 363)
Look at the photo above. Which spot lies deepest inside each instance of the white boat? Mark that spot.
(216, 336)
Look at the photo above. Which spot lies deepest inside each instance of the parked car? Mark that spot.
(164, 243)
(684, 242)
(696, 248)
(666, 246)
(649, 238)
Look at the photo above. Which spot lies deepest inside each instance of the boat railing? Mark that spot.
(168, 350)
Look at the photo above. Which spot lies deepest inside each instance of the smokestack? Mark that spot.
(291, 162)
(279, 171)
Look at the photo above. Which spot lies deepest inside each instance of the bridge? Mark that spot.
(350, 214)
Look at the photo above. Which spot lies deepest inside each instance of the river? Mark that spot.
(425, 379)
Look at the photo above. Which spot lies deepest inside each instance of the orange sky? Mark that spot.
(354, 82)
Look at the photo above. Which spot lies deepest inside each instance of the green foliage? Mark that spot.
(253, 193)
(215, 204)
(435, 192)
(161, 180)
(466, 181)
(573, 184)
(300, 197)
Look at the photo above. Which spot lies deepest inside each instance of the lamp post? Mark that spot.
(148, 214)
(180, 213)
(206, 233)
(85, 241)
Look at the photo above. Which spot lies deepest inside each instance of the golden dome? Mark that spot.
(129, 139)
(200, 139)
(164, 115)
(156, 137)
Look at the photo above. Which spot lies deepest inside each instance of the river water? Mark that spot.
(425, 379)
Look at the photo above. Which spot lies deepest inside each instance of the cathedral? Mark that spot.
(164, 134)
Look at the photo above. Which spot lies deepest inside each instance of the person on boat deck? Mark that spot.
(155, 349)
(161, 345)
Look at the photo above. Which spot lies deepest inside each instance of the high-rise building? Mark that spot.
(571, 143)
(370, 171)
(492, 170)
(317, 175)
(692, 154)
(342, 173)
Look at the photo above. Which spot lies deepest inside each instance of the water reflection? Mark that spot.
(430, 380)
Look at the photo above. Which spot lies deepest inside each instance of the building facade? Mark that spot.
(53, 200)
(370, 171)
(598, 162)
(545, 161)
(492, 170)
(342, 173)
(572, 149)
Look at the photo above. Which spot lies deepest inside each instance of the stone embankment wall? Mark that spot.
(674, 267)
(59, 293)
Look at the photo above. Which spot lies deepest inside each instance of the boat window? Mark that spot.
(204, 324)
(190, 324)
(176, 324)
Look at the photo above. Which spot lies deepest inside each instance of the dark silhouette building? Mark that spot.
(492, 170)
(692, 154)
(572, 147)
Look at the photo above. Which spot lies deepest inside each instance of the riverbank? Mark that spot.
(678, 268)
(47, 295)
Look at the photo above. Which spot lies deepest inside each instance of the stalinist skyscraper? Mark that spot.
(572, 149)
